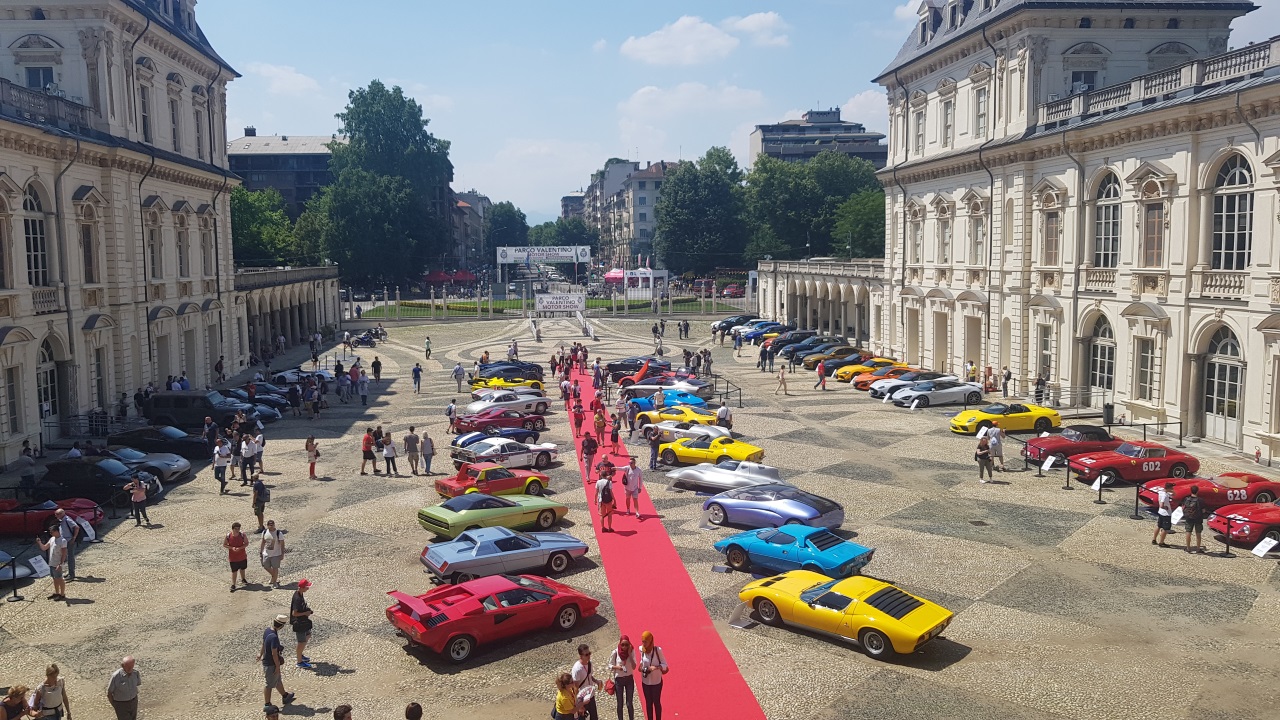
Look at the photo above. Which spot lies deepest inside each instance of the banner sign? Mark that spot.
(576, 302)
(530, 255)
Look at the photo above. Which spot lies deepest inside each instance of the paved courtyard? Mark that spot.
(1064, 608)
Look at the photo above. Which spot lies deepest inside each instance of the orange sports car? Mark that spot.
(863, 381)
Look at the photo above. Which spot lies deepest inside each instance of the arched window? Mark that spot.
(1102, 359)
(1223, 384)
(1224, 344)
(37, 241)
(1233, 215)
(5, 220)
(1106, 229)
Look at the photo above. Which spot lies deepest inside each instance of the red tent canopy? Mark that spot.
(464, 276)
(436, 276)
(616, 275)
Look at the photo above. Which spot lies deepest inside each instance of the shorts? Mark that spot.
(303, 636)
(271, 562)
(55, 572)
(1164, 522)
(412, 457)
(271, 676)
(239, 564)
(1196, 526)
(606, 508)
(259, 509)
(368, 455)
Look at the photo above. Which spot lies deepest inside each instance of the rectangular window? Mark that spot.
(206, 253)
(978, 234)
(4, 256)
(644, 217)
(1146, 388)
(39, 78)
(643, 200)
(1083, 81)
(1045, 344)
(641, 184)
(1153, 235)
(944, 241)
(199, 123)
(144, 112)
(1106, 236)
(89, 252)
(917, 241)
(948, 128)
(176, 126)
(184, 268)
(657, 184)
(980, 112)
(1052, 235)
(100, 376)
(1232, 231)
(919, 125)
(13, 401)
(37, 252)
(153, 253)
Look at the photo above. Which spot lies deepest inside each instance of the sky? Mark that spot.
(535, 96)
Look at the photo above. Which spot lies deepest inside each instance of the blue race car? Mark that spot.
(795, 547)
(670, 398)
(517, 434)
(772, 506)
(498, 550)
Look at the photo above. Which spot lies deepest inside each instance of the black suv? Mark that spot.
(189, 408)
(100, 479)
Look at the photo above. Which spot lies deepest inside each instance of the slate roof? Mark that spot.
(282, 145)
(976, 18)
(151, 9)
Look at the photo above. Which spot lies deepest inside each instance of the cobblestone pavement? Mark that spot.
(1064, 609)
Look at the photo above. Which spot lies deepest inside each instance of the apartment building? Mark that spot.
(815, 132)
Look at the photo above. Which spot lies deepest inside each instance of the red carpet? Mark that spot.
(652, 591)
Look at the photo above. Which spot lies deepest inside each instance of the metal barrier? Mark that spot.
(84, 427)
(729, 391)
(1160, 431)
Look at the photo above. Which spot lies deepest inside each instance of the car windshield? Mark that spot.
(1130, 450)
(129, 453)
(816, 591)
(113, 467)
(1073, 435)
(172, 432)
(470, 501)
(924, 386)
(215, 397)
(525, 582)
(997, 409)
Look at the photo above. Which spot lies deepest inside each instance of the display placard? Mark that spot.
(568, 302)
(550, 254)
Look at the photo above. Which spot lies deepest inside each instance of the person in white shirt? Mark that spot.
(221, 459)
(389, 455)
(260, 443)
(622, 662)
(632, 482)
(724, 417)
(1164, 515)
(248, 449)
(272, 550)
(584, 678)
(653, 665)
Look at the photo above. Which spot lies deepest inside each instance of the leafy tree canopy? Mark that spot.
(701, 218)
(260, 231)
(859, 226)
(505, 225)
(798, 202)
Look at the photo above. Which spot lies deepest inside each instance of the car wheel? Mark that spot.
(920, 400)
(738, 558)
(716, 514)
(529, 425)
(459, 578)
(768, 612)
(533, 488)
(973, 398)
(542, 460)
(1108, 478)
(1263, 497)
(460, 648)
(875, 644)
(567, 618)
(540, 408)
(722, 458)
(539, 424)
(535, 385)
(1273, 534)
(491, 430)
(1043, 424)
(546, 519)
(651, 432)
(669, 457)
(983, 424)
(1179, 471)
(558, 562)
(642, 420)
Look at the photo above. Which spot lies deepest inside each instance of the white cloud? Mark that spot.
(600, 45)
(531, 172)
(1258, 25)
(869, 107)
(697, 115)
(284, 79)
(687, 41)
(907, 11)
(792, 114)
(764, 28)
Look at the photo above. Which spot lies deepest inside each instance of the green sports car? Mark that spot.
(476, 510)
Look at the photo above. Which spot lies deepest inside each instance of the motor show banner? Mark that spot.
(574, 302)
(530, 255)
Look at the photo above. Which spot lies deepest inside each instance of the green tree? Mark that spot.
(260, 231)
(312, 230)
(798, 202)
(545, 235)
(701, 223)
(375, 233)
(859, 226)
(505, 226)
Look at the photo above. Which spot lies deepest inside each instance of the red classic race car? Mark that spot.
(30, 519)
(1249, 523)
(499, 418)
(454, 619)
(1225, 489)
(1073, 440)
(492, 479)
(1133, 461)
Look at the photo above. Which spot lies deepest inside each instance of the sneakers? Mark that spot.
(233, 588)
(306, 659)
(288, 698)
(305, 665)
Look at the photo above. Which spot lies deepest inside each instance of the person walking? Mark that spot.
(589, 448)
(1041, 384)
(1193, 517)
(138, 499)
(598, 421)
(762, 358)
(51, 699)
(260, 496)
(122, 690)
(1164, 515)
(822, 376)
(983, 456)
(260, 449)
(428, 452)
(995, 438)
(417, 378)
(237, 460)
(773, 352)
(622, 663)
(210, 432)
(236, 544)
(615, 428)
(271, 548)
(632, 483)
(585, 682)
(605, 500)
(270, 655)
(300, 618)
(362, 387)
(247, 452)
(56, 556)
(389, 455)
(655, 441)
(633, 410)
(313, 454)
(344, 388)
(578, 416)
(724, 416)
(411, 443)
(426, 347)
(70, 533)
(458, 375)
(653, 665)
(782, 382)
(221, 459)
(366, 449)
(376, 366)
(451, 412)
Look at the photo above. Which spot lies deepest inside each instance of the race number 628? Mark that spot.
(1237, 494)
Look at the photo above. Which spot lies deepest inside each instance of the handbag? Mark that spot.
(609, 686)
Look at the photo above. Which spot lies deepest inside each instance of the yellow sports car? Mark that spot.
(883, 619)
(812, 361)
(679, 413)
(849, 372)
(693, 450)
(1011, 416)
(498, 382)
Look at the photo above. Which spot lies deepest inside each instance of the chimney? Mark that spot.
(647, 164)
(251, 131)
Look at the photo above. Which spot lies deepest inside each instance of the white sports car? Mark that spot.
(296, 375)
(890, 386)
(671, 430)
(939, 392)
(507, 453)
(727, 475)
(509, 400)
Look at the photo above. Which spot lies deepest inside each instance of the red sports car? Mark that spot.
(30, 519)
(453, 619)
(500, 418)
(863, 381)
(1073, 440)
(1249, 523)
(1133, 461)
(1225, 489)
(492, 479)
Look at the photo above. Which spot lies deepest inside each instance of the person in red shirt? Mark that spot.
(578, 417)
(366, 448)
(235, 543)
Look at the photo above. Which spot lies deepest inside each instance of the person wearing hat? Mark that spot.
(270, 655)
(271, 711)
(300, 618)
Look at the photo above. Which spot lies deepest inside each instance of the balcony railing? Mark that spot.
(46, 300)
(252, 279)
(1100, 279)
(41, 107)
(870, 269)
(1220, 284)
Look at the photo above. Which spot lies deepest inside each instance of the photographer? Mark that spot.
(653, 665)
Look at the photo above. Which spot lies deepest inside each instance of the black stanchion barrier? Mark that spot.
(1135, 515)
(1066, 477)
(1099, 501)
(1226, 538)
(13, 577)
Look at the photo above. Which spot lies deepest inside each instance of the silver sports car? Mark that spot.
(511, 401)
(772, 506)
(498, 550)
(671, 430)
(727, 475)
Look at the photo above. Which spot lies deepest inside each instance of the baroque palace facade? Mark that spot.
(1085, 191)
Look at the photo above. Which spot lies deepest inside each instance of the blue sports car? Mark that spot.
(500, 551)
(772, 506)
(517, 434)
(755, 335)
(670, 398)
(795, 547)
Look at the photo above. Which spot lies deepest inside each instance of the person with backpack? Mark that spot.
(271, 548)
(1193, 516)
(451, 412)
(604, 499)
(261, 496)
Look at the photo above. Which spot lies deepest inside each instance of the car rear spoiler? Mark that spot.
(463, 454)
(411, 602)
